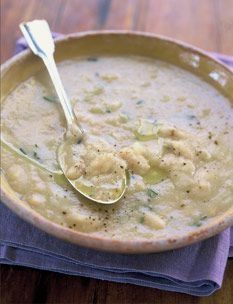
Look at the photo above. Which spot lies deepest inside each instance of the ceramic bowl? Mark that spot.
(22, 66)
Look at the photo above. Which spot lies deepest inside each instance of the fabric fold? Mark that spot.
(197, 269)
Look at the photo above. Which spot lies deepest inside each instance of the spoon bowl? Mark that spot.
(107, 193)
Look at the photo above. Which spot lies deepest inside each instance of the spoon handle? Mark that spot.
(40, 41)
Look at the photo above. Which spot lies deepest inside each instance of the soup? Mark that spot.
(169, 129)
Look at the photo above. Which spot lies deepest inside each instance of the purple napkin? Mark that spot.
(197, 269)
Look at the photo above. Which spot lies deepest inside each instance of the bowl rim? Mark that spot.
(217, 225)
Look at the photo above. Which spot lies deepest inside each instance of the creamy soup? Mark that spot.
(170, 131)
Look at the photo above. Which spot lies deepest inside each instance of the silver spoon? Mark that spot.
(39, 39)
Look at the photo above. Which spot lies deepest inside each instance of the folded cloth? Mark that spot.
(197, 269)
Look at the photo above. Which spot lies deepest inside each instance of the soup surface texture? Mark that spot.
(171, 131)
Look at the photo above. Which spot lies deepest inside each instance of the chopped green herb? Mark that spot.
(152, 193)
(203, 218)
(198, 222)
(124, 117)
(35, 155)
(50, 98)
(139, 102)
(92, 59)
(190, 116)
(210, 135)
(147, 207)
(108, 111)
(36, 146)
(22, 150)
(142, 219)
